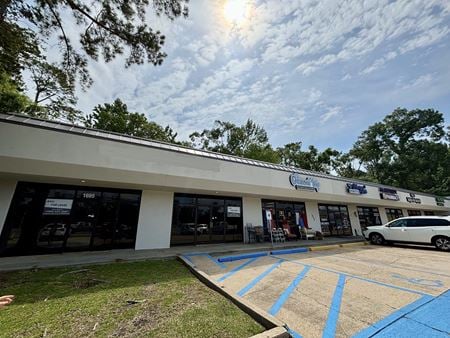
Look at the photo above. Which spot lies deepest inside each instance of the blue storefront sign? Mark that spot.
(356, 188)
(306, 183)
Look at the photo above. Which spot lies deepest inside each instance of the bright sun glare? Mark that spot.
(236, 11)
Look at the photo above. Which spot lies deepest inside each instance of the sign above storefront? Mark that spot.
(440, 201)
(306, 183)
(412, 199)
(356, 189)
(389, 194)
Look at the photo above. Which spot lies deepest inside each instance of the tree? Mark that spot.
(54, 89)
(115, 117)
(292, 155)
(408, 149)
(11, 99)
(106, 28)
(248, 140)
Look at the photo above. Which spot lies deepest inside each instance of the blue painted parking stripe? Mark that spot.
(215, 261)
(289, 251)
(335, 308)
(250, 285)
(219, 264)
(287, 292)
(294, 334)
(357, 277)
(378, 326)
(236, 269)
(243, 256)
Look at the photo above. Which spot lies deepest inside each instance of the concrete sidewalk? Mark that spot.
(96, 257)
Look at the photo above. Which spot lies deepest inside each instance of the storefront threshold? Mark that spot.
(100, 257)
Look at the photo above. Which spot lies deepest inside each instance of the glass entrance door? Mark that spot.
(203, 225)
(84, 219)
(102, 236)
(217, 229)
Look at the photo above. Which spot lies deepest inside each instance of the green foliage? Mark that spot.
(115, 117)
(408, 149)
(11, 99)
(292, 155)
(248, 140)
(107, 28)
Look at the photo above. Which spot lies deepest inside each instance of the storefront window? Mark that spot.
(414, 213)
(47, 218)
(206, 219)
(285, 215)
(334, 220)
(368, 216)
(428, 213)
(393, 214)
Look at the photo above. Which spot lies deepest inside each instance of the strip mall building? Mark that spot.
(68, 188)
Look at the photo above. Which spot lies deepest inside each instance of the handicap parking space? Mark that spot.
(361, 291)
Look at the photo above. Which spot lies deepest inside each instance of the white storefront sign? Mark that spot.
(233, 211)
(307, 183)
(57, 206)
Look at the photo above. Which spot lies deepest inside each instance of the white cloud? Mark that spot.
(331, 113)
(418, 82)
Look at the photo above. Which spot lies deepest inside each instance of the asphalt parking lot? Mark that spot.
(359, 291)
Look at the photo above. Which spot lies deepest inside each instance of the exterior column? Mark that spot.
(155, 220)
(354, 219)
(252, 213)
(383, 215)
(7, 189)
(312, 214)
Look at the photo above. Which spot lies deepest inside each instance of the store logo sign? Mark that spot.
(356, 189)
(412, 199)
(389, 194)
(307, 183)
(440, 202)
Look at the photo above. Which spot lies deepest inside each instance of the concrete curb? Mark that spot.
(277, 332)
(275, 327)
(130, 255)
(295, 250)
(286, 245)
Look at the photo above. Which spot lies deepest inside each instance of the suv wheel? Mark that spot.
(442, 243)
(376, 238)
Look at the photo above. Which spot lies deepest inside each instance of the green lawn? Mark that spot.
(139, 299)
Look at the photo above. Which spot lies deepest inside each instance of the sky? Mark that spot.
(319, 72)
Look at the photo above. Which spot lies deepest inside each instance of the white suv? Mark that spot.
(434, 230)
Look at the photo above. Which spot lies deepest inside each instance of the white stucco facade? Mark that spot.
(40, 152)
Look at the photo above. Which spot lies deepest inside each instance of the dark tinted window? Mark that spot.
(426, 222)
(368, 216)
(393, 213)
(398, 224)
(414, 213)
(47, 218)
